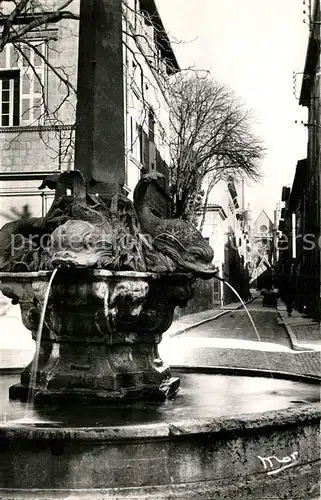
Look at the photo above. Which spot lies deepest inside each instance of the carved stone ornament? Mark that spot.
(121, 273)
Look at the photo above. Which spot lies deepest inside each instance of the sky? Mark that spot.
(252, 46)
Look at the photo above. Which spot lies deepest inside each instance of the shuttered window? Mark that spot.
(22, 84)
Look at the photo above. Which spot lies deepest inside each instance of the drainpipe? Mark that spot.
(221, 292)
(293, 236)
(126, 73)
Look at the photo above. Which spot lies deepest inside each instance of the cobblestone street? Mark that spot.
(230, 341)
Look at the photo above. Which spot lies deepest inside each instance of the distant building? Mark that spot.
(262, 238)
(214, 230)
(226, 228)
(146, 63)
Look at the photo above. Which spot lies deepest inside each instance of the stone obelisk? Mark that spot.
(100, 149)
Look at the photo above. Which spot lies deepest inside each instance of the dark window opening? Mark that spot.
(151, 125)
(9, 98)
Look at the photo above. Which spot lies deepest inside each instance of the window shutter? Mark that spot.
(16, 102)
(32, 82)
(145, 168)
(26, 98)
(159, 162)
(3, 59)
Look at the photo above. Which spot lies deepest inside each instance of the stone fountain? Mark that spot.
(122, 272)
(108, 418)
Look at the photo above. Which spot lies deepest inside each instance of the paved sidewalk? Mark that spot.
(189, 321)
(304, 333)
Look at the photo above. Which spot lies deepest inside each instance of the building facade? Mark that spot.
(309, 200)
(149, 62)
(300, 219)
(38, 108)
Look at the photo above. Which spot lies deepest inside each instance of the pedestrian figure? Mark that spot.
(289, 299)
(288, 290)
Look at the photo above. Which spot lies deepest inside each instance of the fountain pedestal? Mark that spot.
(100, 335)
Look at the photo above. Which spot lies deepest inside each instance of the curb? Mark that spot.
(182, 330)
(296, 346)
(250, 372)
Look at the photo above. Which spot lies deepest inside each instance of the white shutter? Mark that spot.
(150, 46)
(32, 81)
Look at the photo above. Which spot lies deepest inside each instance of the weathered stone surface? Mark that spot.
(105, 314)
(202, 460)
(100, 333)
(104, 232)
(100, 121)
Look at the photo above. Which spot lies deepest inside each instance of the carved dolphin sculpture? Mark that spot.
(178, 239)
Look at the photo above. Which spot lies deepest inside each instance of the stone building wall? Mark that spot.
(48, 146)
(34, 148)
(206, 296)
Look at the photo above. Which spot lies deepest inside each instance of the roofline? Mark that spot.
(151, 8)
(262, 212)
(311, 58)
(212, 207)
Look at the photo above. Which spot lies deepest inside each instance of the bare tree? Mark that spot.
(20, 17)
(22, 20)
(22, 23)
(212, 138)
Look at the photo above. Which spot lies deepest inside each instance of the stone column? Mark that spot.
(100, 149)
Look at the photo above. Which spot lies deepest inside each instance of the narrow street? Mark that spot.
(236, 325)
(231, 341)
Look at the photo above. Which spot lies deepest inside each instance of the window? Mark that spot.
(131, 135)
(136, 78)
(137, 10)
(152, 156)
(22, 80)
(10, 98)
(136, 146)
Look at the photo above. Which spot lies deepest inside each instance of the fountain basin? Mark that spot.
(223, 436)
